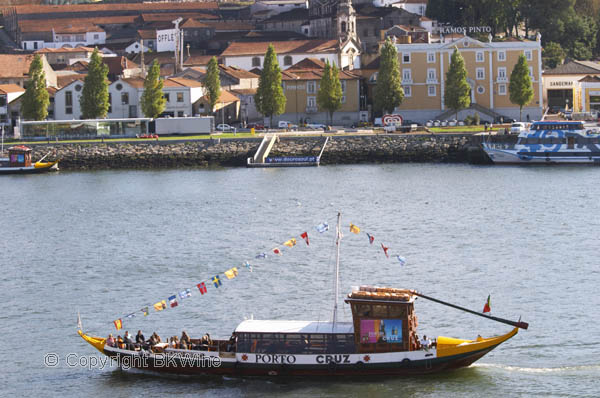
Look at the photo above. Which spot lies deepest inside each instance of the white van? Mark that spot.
(286, 125)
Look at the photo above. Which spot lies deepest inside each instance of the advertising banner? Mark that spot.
(166, 40)
(381, 331)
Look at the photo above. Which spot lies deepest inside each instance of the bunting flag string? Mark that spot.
(173, 301)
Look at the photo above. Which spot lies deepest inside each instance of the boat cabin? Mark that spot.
(384, 319)
(19, 156)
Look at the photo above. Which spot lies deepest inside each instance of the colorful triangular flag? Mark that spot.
(371, 238)
(304, 236)
(145, 311)
(401, 259)
(231, 273)
(248, 266)
(261, 255)
(216, 281)
(277, 251)
(132, 315)
(173, 301)
(118, 324)
(354, 228)
(202, 287)
(290, 243)
(161, 305)
(385, 250)
(322, 227)
(185, 294)
(487, 307)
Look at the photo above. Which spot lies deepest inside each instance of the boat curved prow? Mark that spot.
(448, 346)
(96, 342)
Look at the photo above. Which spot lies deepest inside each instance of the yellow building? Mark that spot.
(300, 87)
(423, 69)
(586, 94)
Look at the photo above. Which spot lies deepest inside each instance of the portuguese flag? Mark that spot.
(487, 307)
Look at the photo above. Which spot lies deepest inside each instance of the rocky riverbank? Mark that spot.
(384, 148)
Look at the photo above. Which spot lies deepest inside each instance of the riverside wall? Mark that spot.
(382, 148)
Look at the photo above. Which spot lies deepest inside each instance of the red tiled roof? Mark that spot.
(135, 82)
(172, 16)
(15, 65)
(10, 88)
(281, 47)
(64, 50)
(181, 82)
(218, 26)
(65, 80)
(237, 72)
(312, 69)
(147, 7)
(225, 97)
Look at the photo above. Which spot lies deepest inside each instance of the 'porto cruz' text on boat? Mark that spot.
(548, 142)
(381, 339)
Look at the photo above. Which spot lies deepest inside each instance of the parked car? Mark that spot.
(315, 126)
(502, 120)
(224, 127)
(287, 125)
(255, 126)
(518, 127)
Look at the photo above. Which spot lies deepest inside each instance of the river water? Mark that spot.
(109, 243)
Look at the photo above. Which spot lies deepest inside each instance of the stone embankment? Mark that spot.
(384, 148)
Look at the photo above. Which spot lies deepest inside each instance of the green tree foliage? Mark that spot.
(94, 97)
(388, 92)
(153, 101)
(329, 97)
(457, 93)
(552, 55)
(269, 96)
(36, 98)
(520, 87)
(212, 83)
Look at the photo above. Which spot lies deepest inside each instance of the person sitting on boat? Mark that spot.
(231, 343)
(128, 341)
(206, 340)
(110, 341)
(425, 343)
(140, 341)
(120, 342)
(174, 343)
(185, 339)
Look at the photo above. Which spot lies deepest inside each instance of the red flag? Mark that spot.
(277, 251)
(487, 307)
(118, 324)
(385, 249)
(305, 237)
(201, 287)
(371, 238)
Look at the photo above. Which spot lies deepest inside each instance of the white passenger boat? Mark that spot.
(549, 142)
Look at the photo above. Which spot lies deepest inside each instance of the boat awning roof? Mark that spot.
(277, 326)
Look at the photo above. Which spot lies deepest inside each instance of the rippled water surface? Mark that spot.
(109, 243)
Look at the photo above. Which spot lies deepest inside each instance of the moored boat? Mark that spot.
(549, 142)
(381, 340)
(19, 162)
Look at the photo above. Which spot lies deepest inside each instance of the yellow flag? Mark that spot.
(290, 243)
(161, 305)
(231, 273)
(354, 228)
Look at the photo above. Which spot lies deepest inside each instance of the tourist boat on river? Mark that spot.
(549, 142)
(19, 162)
(381, 340)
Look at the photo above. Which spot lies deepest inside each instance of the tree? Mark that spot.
(269, 96)
(153, 101)
(330, 93)
(520, 88)
(94, 97)
(457, 93)
(212, 83)
(388, 92)
(36, 98)
(552, 55)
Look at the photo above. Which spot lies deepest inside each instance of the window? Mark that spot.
(431, 74)
(501, 56)
(24, 45)
(3, 100)
(125, 98)
(80, 38)
(406, 58)
(407, 91)
(35, 45)
(311, 87)
(311, 102)
(531, 72)
(430, 58)
(78, 87)
(166, 97)
(502, 89)
(480, 73)
(528, 55)
(406, 75)
(501, 74)
(96, 36)
(179, 97)
(256, 62)
(109, 102)
(431, 91)
(479, 56)
(180, 114)
(287, 60)
(343, 82)
(69, 102)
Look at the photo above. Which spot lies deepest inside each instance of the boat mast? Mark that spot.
(338, 232)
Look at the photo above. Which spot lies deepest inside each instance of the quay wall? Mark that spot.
(384, 148)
